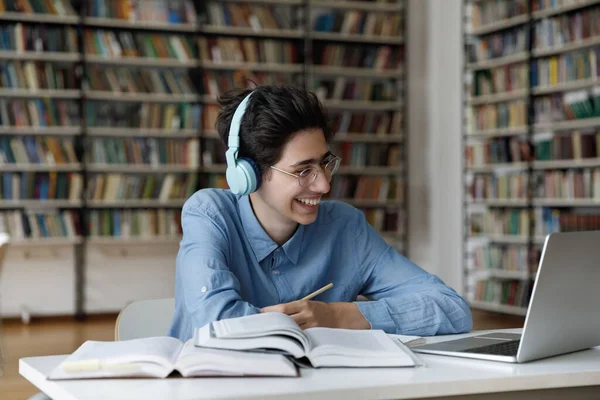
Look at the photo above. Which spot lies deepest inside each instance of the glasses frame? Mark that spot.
(334, 159)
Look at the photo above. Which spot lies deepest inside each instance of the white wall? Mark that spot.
(434, 128)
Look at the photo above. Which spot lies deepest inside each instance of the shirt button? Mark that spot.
(275, 272)
(203, 289)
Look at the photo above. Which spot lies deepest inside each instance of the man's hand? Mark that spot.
(310, 314)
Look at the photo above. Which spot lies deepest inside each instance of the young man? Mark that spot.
(276, 241)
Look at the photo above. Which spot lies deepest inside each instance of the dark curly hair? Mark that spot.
(273, 115)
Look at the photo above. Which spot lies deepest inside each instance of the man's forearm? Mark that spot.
(348, 316)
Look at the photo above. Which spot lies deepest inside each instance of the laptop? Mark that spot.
(563, 314)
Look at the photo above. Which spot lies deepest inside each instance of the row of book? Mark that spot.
(504, 292)
(501, 257)
(501, 115)
(570, 184)
(381, 188)
(498, 44)
(499, 222)
(134, 223)
(218, 82)
(373, 57)
(53, 7)
(144, 115)
(122, 223)
(384, 220)
(568, 67)
(226, 49)
(243, 15)
(358, 22)
(146, 80)
(112, 44)
(35, 75)
(547, 109)
(376, 123)
(37, 150)
(516, 222)
(580, 183)
(498, 186)
(567, 28)
(574, 145)
(344, 88)
(117, 187)
(165, 11)
(550, 220)
(488, 12)
(568, 106)
(20, 224)
(368, 154)
(497, 150)
(22, 37)
(41, 186)
(39, 112)
(145, 151)
(503, 79)
(540, 5)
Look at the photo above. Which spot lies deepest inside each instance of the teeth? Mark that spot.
(310, 202)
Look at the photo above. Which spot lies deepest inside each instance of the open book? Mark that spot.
(323, 347)
(157, 357)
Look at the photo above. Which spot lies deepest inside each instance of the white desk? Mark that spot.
(575, 375)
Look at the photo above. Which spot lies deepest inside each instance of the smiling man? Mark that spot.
(271, 239)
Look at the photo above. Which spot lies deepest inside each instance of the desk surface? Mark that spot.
(442, 376)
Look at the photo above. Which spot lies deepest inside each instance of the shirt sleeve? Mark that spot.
(405, 298)
(206, 289)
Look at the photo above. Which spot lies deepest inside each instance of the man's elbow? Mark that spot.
(460, 318)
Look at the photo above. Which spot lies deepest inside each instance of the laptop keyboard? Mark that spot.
(508, 348)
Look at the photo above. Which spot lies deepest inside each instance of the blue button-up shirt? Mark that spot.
(227, 267)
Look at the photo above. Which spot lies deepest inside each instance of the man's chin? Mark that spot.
(306, 219)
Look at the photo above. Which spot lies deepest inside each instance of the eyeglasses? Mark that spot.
(307, 176)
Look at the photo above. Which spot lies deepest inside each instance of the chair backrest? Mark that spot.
(145, 318)
(4, 241)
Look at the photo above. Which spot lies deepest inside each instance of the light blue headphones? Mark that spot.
(243, 175)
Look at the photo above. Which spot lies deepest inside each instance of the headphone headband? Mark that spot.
(243, 175)
(233, 141)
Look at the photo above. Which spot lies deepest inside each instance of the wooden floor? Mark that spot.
(60, 336)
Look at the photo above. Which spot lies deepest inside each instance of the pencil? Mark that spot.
(318, 292)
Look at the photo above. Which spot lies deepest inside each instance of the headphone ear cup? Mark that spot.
(244, 178)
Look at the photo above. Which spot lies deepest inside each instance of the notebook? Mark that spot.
(158, 357)
(322, 347)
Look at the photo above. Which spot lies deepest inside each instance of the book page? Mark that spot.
(358, 343)
(258, 325)
(200, 361)
(254, 325)
(356, 348)
(409, 340)
(124, 358)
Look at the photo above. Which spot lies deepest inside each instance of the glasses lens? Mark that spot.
(332, 166)
(308, 176)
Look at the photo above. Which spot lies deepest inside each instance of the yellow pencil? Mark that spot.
(318, 292)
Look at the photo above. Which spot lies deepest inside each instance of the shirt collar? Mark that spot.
(262, 245)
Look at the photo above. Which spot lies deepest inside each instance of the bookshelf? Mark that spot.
(530, 139)
(108, 111)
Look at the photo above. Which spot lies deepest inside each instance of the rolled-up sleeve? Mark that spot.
(405, 298)
(206, 289)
